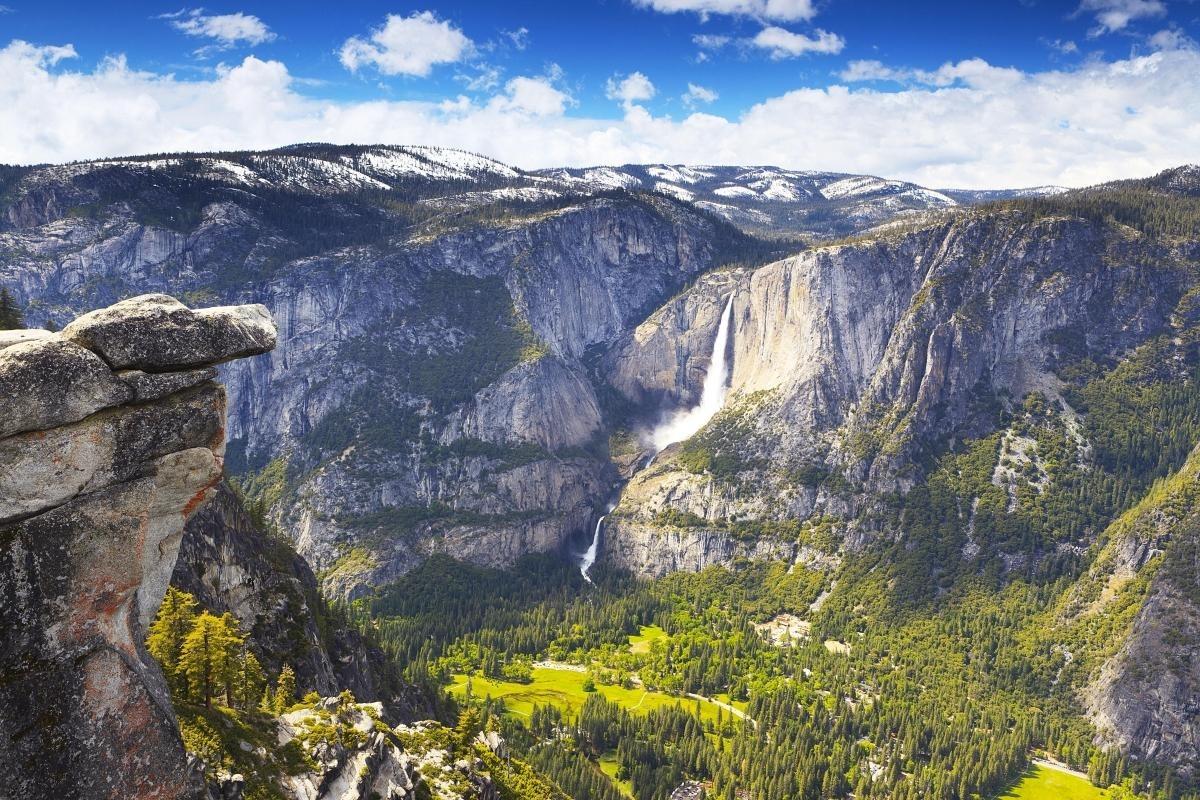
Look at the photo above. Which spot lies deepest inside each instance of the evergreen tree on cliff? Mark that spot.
(209, 653)
(10, 312)
(174, 621)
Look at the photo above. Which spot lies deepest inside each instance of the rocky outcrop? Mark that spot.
(98, 473)
(363, 761)
(157, 332)
(356, 755)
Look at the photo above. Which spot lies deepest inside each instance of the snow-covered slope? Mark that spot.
(970, 196)
(769, 199)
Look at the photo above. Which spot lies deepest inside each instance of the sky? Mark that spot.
(950, 94)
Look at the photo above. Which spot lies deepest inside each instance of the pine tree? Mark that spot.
(285, 690)
(207, 654)
(469, 724)
(10, 312)
(174, 621)
(250, 680)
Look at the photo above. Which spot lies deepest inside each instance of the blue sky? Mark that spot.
(952, 93)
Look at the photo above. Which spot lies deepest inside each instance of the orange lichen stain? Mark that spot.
(196, 500)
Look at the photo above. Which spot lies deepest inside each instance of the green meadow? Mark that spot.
(646, 637)
(564, 689)
(609, 766)
(1046, 783)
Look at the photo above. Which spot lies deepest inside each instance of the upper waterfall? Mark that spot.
(684, 424)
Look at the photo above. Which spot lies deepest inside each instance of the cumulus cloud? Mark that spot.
(781, 43)
(632, 89)
(987, 127)
(1115, 15)
(782, 10)
(410, 45)
(698, 95)
(227, 30)
(536, 96)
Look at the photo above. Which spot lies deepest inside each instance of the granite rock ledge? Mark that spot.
(112, 434)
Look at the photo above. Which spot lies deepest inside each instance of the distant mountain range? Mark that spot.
(760, 199)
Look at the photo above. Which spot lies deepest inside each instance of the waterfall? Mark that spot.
(589, 556)
(684, 424)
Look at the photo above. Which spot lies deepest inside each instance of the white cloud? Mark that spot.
(708, 41)
(484, 78)
(778, 43)
(1115, 15)
(972, 72)
(870, 70)
(782, 43)
(226, 29)
(518, 38)
(1171, 39)
(782, 10)
(633, 88)
(1064, 46)
(536, 96)
(698, 95)
(988, 127)
(410, 45)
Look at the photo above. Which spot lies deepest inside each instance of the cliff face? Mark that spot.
(859, 360)
(1143, 692)
(228, 563)
(113, 435)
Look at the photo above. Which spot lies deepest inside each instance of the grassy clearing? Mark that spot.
(564, 689)
(609, 766)
(646, 637)
(1045, 783)
(740, 705)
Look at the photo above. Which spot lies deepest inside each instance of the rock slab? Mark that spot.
(156, 332)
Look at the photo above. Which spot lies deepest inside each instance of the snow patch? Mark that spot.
(678, 192)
